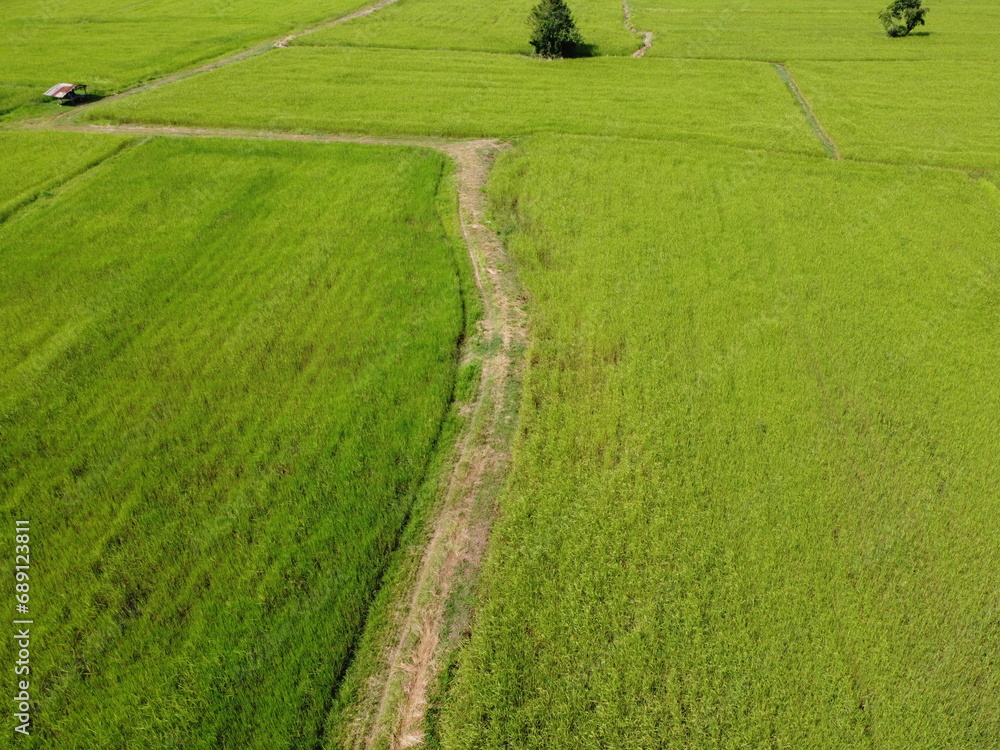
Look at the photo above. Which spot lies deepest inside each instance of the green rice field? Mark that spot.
(468, 94)
(836, 30)
(497, 26)
(111, 45)
(750, 499)
(38, 162)
(217, 411)
(928, 113)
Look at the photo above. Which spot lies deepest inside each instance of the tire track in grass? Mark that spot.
(433, 619)
(828, 144)
(60, 184)
(647, 36)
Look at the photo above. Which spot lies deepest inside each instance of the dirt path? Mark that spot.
(647, 36)
(439, 610)
(828, 144)
(430, 623)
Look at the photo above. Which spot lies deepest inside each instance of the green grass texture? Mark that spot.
(782, 30)
(224, 369)
(941, 113)
(753, 501)
(496, 26)
(469, 94)
(35, 163)
(112, 44)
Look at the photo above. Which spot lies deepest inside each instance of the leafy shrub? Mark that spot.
(553, 31)
(902, 17)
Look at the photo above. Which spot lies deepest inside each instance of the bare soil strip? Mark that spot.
(437, 614)
(439, 610)
(647, 36)
(828, 144)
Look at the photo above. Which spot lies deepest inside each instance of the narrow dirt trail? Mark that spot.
(647, 36)
(451, 561)
(430, 623)
(828, 144)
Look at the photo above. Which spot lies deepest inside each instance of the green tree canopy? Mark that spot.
(553, 31)
(902, 17)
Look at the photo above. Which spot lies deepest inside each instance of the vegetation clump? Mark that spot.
(553, 30)
(902, 17)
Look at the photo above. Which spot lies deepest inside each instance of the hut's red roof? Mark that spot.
(60, 90)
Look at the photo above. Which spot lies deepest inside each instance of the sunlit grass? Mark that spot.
(753, 499)
(945, 113)
(111, 45)
(495, 26)
(223, 370)
(781, 30)
(35, 162)
(476, 94)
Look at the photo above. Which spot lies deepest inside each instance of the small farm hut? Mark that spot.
(68, 93)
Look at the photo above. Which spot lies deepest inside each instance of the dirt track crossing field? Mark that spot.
(460, 530)
(234, 58)
(397, 694)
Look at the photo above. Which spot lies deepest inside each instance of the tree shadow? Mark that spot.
(581, 50)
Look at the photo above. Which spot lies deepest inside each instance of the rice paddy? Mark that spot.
(35, 163)
(497, 26)
(782, 30)
(751, 503)
(467, 94)
(111, 45)
(751, 497)
(217, 411)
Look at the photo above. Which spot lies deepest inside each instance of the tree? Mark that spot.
(553, 31)
(902, 17)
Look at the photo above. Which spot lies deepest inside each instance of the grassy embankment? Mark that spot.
(221, 389)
